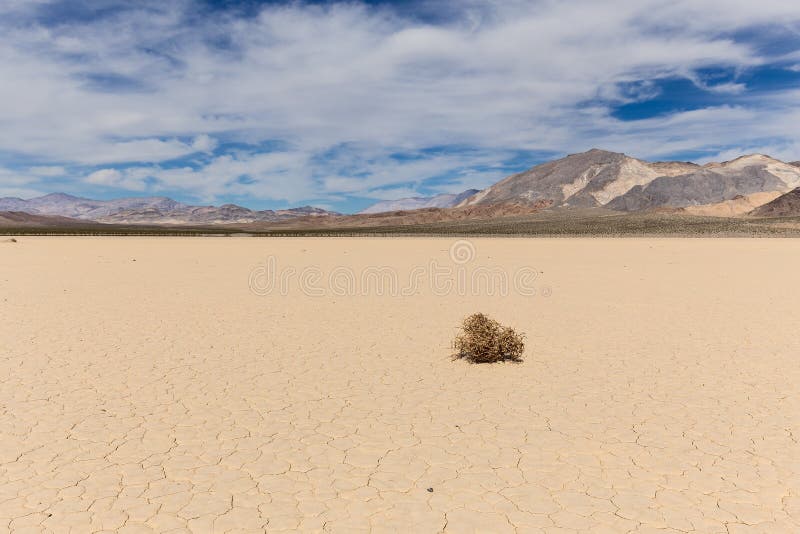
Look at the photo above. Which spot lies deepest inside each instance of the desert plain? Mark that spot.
(164, 385)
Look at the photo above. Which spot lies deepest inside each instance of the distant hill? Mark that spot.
(64, 205)
(148, 210)
(225, 214)
(20, 219)
(444, 200)
(787, 205)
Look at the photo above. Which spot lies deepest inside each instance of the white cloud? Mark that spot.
(14, 183)
(105, 177)
(128, 179)
(137, 150)
(204, 143)
(292, 176)
(47, 171)
(145, 87)
(787, 151)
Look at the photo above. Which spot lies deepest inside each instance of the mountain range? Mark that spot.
(599, 178)
(754, 184)
(615, 181)
(148, 210)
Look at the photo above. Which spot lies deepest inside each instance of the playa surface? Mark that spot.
(162, 385)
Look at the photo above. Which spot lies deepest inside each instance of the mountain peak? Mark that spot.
(150, 210)
(602, 151)
(58, 196)
(596, 154)
(746, 160)
(590, 178)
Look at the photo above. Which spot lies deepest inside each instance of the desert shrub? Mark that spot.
(484, 340)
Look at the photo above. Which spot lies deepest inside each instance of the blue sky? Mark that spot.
(340, 104)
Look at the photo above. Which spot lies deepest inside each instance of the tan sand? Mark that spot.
(660, 391)
(735, 207)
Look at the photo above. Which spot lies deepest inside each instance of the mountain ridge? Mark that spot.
(711, 184)
(599, 178)
(592, 179)
(147, 210)
(586, 179)
(23, 219)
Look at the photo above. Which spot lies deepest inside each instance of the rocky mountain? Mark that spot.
(795, 163)
(444, 200)
(598, 178)
(591, 178)
(148, 210)
(712, 183)
(786, 205)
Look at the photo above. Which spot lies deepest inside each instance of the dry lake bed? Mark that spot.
(251, 385)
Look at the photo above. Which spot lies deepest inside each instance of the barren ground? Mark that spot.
(145, 387)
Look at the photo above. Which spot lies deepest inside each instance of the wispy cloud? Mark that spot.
(166, 96)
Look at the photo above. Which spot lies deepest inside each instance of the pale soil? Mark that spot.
(735, 207)
(660, 391)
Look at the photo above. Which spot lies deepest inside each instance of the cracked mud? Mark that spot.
(659, 391)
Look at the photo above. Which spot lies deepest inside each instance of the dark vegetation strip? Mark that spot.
(609, 226)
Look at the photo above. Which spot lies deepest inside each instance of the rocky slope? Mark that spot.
(619, 182)
(444, 200)
(786, 205)
(713, 183)
(739, 205)
(591, 178)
